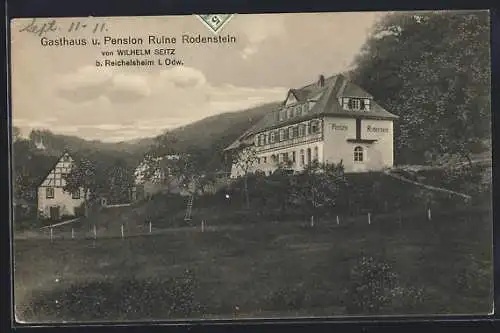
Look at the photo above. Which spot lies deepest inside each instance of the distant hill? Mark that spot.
(215, 131)
(221, 129)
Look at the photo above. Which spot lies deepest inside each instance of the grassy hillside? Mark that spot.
(265, 270)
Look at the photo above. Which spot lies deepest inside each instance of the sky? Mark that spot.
(60, 88)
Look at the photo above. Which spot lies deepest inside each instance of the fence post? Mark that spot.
(202, 225)
(150, 226)
(369, 218)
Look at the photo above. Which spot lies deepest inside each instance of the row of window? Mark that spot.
(292, 157)
(348, 103)
(356, 104)
(294, 111)
(303, 154)
(291, 132)
(49, 193)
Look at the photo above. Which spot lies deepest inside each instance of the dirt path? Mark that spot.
(429, 187)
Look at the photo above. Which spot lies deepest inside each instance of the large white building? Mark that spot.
(53, 201)
(329, 121)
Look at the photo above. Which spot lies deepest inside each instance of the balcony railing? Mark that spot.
(290, 142)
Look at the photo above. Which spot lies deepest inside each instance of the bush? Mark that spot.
(372, 284)
(375, 288)
(129, 299)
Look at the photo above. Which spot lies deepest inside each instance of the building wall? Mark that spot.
(265, 162)
(61, 198)
(376, 156)
(333, 147)
(269, 167)
(381, 154)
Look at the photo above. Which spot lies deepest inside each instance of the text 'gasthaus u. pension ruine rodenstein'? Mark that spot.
(152, 50)
(115, 50)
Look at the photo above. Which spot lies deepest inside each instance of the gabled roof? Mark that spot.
(327, 104)
(52, 179)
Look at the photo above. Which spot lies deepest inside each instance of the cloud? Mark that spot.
(128, 88)
(89, 83)
(258, 29)
(184, 77)
(275, 50)
(94, 104)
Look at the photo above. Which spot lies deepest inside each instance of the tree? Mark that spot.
(28, 169)
(82, 178)
(162, 163)
(120, 180)
(244, 160)
(433, 70)
(318, 186)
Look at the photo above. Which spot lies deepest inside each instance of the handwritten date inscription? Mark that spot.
(43, 28)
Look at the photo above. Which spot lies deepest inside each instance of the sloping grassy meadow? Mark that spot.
(442, 266)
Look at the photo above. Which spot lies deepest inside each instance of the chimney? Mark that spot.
(321, 81)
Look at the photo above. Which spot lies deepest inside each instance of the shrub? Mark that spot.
(182, 295)
(131, 299)
(374, 288)
(371, 286)
(407, 299)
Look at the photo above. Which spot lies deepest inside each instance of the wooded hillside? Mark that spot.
(433, 70)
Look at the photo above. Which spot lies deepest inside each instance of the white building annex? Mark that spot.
(53, 201)
(329, 121)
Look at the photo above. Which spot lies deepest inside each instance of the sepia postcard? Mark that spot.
(270, 166)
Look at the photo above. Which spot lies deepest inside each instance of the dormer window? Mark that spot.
(282, 115)
(298, 111)
(356, 104)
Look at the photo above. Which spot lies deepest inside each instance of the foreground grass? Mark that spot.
(261, 270)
